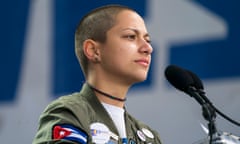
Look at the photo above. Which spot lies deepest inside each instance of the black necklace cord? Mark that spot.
(107, 95)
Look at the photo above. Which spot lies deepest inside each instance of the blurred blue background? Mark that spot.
(38, 62)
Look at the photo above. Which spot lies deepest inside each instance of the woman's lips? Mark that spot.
(143, 62)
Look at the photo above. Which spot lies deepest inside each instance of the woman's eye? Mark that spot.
(130, 37)
(148, 40)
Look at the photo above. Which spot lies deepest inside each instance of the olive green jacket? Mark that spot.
(83, 110)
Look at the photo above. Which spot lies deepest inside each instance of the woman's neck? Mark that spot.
(103, 88)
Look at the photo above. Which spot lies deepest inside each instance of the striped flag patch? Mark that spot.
(69, 132)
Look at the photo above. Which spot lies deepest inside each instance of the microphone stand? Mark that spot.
(207, 110)
(209, 114)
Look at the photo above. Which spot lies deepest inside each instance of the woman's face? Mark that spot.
(126, 54)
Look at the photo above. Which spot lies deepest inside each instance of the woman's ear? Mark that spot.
(91, 50)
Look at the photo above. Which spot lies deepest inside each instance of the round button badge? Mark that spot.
(148, 133)
(141, 135)
(100, 133)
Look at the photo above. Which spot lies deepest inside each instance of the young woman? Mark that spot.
(113, 47)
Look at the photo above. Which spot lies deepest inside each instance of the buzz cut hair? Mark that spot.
(95, 25)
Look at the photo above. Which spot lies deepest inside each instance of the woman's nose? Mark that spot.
(146, 47)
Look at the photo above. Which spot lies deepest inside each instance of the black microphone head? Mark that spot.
(179, 77)
(197, 81)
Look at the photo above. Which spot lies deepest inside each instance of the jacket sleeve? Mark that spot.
(59, 124)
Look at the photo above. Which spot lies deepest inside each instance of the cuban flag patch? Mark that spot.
(69, 132)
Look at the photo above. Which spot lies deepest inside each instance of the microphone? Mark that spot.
(189, 83)
(178, 77)
(197, 82)
(183, 81)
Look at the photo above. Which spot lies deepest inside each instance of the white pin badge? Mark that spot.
(141, 135)
(148, 133)
(100, 133)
